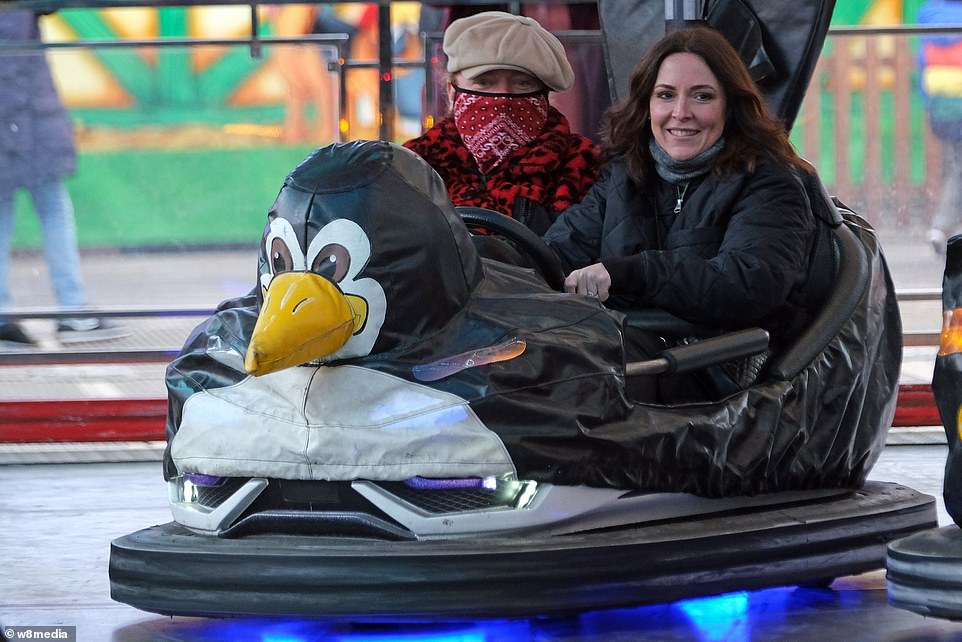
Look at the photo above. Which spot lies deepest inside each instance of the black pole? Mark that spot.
(255, 33)
(680, 13)
(385, 71)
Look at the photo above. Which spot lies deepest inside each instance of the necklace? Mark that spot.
(680, 195)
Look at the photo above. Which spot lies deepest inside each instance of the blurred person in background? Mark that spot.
(362, 83)
(940, 62)
(36, 154)
(304, 70)
(504, 147)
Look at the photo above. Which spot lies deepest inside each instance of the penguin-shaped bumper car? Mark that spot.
(389, 425)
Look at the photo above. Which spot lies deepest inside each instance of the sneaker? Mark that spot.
(79, 330)
(12, 336)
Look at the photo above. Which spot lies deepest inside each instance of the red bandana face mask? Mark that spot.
(494, 125)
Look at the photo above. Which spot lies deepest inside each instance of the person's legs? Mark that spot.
(948, 210)
(11, 334)
(294, 20)
(6, 236)
(55, 210)
(56, 213)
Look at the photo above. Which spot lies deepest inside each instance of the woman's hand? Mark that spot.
(593, 281)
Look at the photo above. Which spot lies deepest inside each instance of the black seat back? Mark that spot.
(780, 41)
(850, 279)
(824, 259)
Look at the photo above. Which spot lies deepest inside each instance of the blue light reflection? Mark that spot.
(299, 630)
(475, 634)
(720, 617)
(732, 617)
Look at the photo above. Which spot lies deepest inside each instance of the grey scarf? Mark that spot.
(680, 171)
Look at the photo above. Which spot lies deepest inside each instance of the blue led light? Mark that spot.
(481, 631)
(307, 630)
(263, 630)
(473, 635)
(283, 637)
(721, 617)
(732, 617)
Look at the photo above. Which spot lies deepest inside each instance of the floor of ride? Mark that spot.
(60, 520)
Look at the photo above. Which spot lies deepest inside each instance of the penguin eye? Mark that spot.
(332, 262)
(281, 260)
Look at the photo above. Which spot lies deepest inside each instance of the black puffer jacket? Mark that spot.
(736, 255)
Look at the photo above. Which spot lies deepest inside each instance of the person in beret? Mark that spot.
(503, 146)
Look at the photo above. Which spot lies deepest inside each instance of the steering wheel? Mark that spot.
(526, 241)
(549, 266)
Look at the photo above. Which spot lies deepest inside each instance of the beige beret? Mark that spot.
(498, 40)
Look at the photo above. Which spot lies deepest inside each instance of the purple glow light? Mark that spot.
(199, 479)
(424, 483)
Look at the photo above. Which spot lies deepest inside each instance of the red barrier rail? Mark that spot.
(83, 420)
(916, 406)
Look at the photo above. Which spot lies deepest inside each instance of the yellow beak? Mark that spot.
(304, 317)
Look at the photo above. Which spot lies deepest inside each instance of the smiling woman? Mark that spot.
(702, 210)
(687, 107)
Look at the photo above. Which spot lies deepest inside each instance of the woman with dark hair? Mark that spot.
(701, 209)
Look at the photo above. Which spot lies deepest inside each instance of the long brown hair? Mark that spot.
(750, 131)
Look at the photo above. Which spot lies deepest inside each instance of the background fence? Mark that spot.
(863, 124)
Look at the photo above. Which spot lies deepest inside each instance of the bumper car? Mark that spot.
(390, 426)
(924, 570)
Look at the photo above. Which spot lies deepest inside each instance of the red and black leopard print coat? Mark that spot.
(551, 173)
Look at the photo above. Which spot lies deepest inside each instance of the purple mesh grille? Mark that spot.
(423, 483)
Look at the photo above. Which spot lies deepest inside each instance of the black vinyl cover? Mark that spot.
(947, 377)
(780, 41)
(560, 408)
